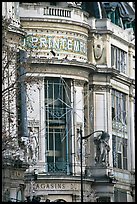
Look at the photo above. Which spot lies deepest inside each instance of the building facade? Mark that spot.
(79, 81)
(13, 163)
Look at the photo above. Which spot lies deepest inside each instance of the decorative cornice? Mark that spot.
(125, 80)
(99, 87)
(79, 82)
(116, 75)
(107, 70)
(62, 62)
(51, 20)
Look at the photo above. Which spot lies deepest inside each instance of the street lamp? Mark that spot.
(103, 135)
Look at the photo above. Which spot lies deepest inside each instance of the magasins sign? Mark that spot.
(59, 43)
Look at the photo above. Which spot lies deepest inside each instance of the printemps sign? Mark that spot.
(58, 43)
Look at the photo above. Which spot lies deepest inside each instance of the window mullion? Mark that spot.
(54, 149)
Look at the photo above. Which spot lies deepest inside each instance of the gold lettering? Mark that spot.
(18, 174)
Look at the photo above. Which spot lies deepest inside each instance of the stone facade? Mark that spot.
(76, 83)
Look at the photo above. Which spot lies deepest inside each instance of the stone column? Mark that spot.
(73, 126)
(42, 127)
(132, 132)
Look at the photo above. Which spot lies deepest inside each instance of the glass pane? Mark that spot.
(124, 151)
(118, 59)
(119, 160)
(113, 100)
(58, 140)
(124, 108)
(114, 150)
(125, 163)
(56, 91)
(50, 90)
(112, 56)
(123, 61)
(113, 113)
(117, 108)
(50, 159)
(119, 149)
(113, 104)
(51, 141)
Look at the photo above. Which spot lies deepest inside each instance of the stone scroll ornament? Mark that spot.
(98, 47)
(74, 4)
(102, 149)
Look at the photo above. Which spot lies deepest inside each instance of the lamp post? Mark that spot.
(103, 135)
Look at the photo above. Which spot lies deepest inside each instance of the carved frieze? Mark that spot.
(99, 87)
(79, 82)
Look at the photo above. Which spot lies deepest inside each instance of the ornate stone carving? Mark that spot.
(79, 83)
(74, 4)
(98, 47)
(97, 87)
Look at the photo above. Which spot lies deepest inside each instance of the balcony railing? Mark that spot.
(57, 167)
(51, 11)
(29, 10)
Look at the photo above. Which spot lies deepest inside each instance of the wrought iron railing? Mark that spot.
(57, 167)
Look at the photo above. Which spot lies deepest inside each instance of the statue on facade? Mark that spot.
(33, 146)
(102, 148)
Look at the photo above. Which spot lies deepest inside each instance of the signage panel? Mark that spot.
(57, 42)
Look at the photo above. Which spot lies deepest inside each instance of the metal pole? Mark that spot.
(81, 165)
